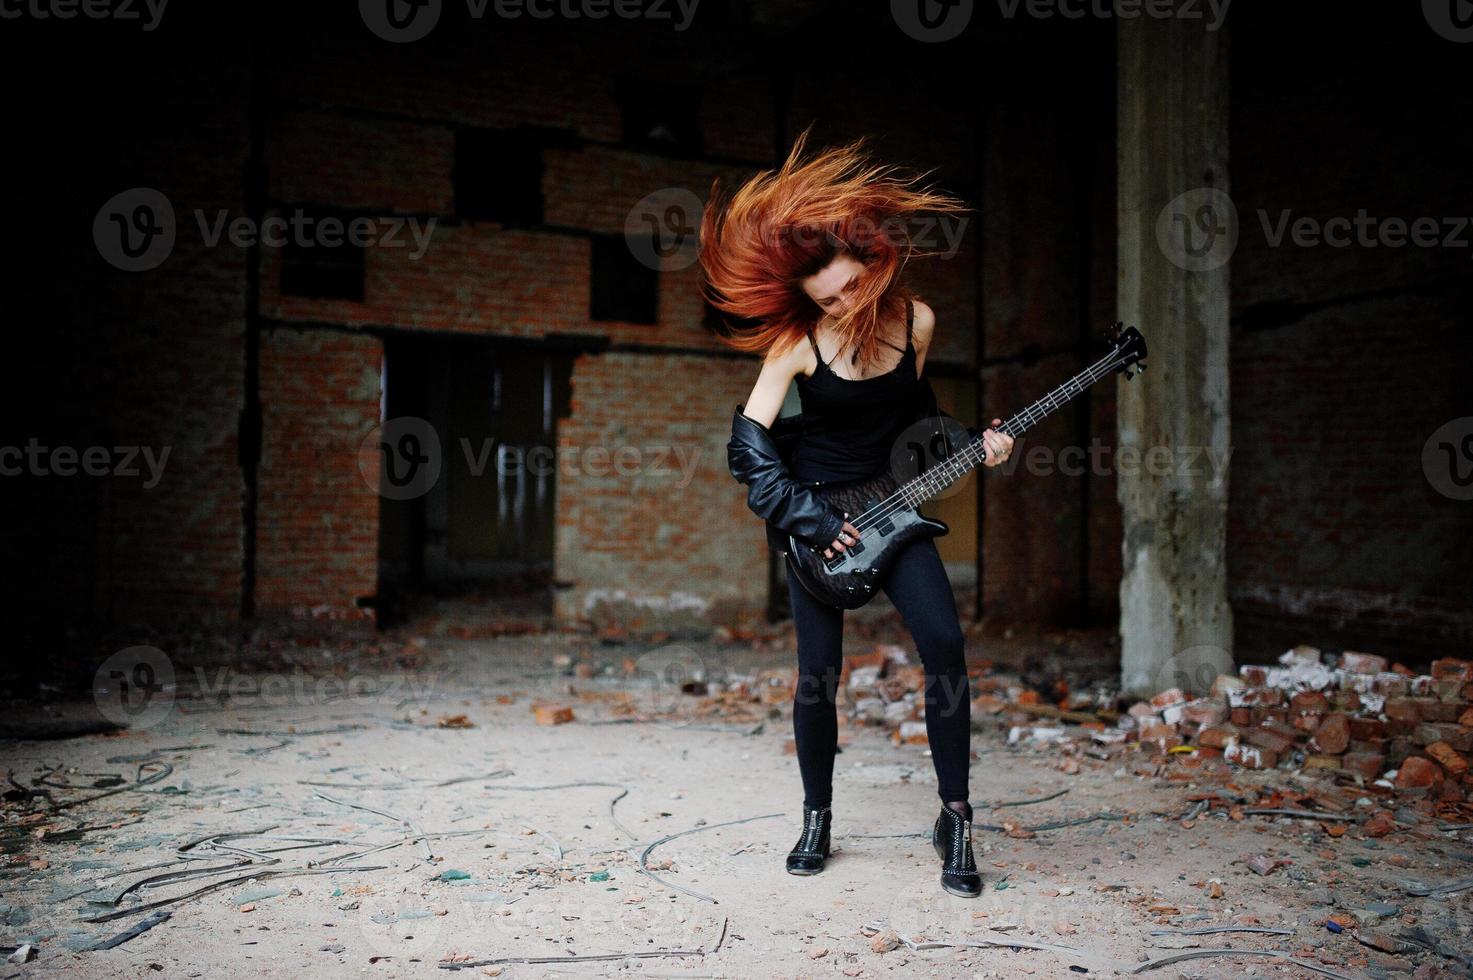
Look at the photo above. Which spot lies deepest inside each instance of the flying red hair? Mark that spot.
(783, 226)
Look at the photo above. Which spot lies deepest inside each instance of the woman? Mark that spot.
(813, 254)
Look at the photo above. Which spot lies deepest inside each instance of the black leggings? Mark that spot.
(917, 584)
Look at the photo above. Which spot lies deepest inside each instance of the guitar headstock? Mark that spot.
(1129, 348)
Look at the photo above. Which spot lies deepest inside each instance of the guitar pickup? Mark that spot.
(886, 527)
(857, 548)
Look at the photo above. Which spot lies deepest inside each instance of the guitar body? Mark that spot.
(852, 577)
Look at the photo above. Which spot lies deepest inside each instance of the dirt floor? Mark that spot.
(404, 813)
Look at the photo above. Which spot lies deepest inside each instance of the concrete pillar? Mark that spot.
(1177, 229)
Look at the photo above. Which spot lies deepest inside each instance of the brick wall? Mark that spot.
(1342, 359)
(317, 510)
(1345, 360)
(646, 548)
(148, 361)
(624, 552)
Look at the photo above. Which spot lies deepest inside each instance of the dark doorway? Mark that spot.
(483, 528)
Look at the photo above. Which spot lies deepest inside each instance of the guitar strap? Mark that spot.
(935, 415)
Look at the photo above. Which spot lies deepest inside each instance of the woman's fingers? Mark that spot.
(999, 445)
(848, 530)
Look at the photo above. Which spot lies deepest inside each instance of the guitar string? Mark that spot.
(910, 493)
(968, 454)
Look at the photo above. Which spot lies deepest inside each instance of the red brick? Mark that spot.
(1416, 772)
(1333, 736)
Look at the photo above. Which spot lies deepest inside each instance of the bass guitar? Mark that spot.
(889, 518)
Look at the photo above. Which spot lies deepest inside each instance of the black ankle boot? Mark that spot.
(952, 839)
(807, 856)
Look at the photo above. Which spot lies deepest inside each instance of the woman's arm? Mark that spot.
(772, 492)
(778, 371)
(922, 332)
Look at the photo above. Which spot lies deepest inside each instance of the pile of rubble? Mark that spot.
(1353, 715)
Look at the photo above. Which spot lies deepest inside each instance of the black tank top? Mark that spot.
(850, 426)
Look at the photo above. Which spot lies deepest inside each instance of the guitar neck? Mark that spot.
(961, 462)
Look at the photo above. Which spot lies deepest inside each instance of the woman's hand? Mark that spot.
(848, 534)
(999, 445)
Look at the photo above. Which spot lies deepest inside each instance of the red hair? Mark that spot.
(783, 226)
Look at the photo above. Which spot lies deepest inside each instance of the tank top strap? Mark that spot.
(814, 344)
(910, 315)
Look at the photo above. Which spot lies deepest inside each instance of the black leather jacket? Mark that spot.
(761, 458)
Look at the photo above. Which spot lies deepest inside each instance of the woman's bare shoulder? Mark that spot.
(789, 361)
(925, 324)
